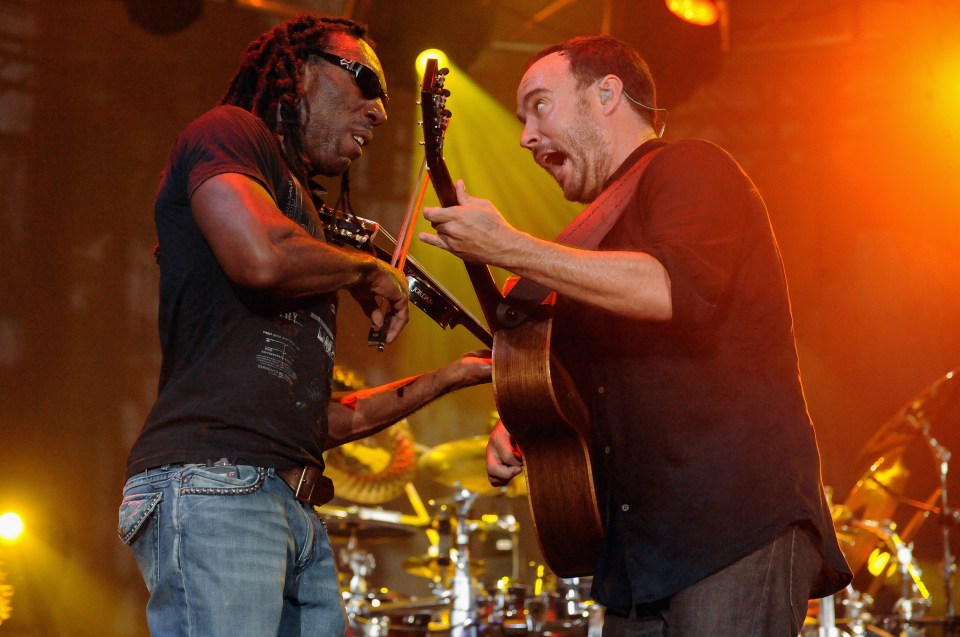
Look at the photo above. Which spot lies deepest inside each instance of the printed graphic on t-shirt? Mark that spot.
(277, 356)
(325, 336)
(279, 353)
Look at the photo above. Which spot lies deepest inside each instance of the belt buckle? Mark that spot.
(300, 481)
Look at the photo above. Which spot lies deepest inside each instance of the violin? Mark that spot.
(342, 227)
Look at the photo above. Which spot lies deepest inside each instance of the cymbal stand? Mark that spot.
(855, 611)
(463, 615)
(361, 564)
(949, 561)
(911, 604)
(942, 456)
(827, 618)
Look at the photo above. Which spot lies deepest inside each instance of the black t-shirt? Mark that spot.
(701, 421)
(244, 376)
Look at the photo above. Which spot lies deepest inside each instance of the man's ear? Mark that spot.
(608, 86)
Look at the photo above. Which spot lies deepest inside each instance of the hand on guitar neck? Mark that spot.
(475, 231)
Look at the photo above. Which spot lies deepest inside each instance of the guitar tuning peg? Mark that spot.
(443, 71)
(447, 114)
(445, 92)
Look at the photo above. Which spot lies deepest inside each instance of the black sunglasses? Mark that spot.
(364, 76)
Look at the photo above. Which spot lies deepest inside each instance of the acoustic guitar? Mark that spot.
(536, 398)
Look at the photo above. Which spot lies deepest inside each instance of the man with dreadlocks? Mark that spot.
(223, 478)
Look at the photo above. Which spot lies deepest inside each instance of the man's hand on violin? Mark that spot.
(474, 230)
(504, 461)
(384, 297)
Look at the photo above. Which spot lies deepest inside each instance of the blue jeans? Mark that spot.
(762, 595)
(228, 551)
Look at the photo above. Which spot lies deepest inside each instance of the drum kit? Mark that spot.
(460, 603)
(905, 482)
(893, 521)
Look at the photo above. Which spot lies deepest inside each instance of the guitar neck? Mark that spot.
(488, 293)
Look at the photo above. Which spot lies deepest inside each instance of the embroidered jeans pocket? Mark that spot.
(134, 511)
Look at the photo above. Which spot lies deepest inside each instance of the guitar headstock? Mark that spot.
(433, 106)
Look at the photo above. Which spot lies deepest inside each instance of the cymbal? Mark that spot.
(878, 492)
(859, 521)
(915, 419)
(366, 531)
(366, 523)
(463, 464)
(428, 566)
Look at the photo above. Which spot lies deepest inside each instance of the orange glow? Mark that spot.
(700, 12)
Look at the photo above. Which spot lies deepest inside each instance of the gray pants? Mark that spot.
(762, 595)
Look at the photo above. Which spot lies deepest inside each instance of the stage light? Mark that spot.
(699, 12)
(11, 527)
(442, 60)
(878, 562)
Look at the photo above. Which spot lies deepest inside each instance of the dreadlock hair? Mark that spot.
(269, 84)
(593, 57)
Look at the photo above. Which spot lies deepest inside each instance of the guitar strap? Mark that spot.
(586, 231)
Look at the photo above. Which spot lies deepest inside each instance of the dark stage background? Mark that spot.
(844, 112)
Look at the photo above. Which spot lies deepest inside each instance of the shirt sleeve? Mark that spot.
(694, 203)
(227, 139)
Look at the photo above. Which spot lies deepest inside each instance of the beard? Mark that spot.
(589, 156)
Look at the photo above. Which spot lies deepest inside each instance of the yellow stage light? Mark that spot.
(11, 527)
(878, 561)
(700, 12)
(442, 60)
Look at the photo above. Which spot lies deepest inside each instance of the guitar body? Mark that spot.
(542, 409)
(536, 398)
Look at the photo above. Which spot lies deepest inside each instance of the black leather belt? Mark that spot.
(309, 484)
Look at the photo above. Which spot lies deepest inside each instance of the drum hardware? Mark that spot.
(360, 564)
(827, 618)
(352, 524)
(463, 615)
(856, 611)
(436, 567)
(882, 490)
(510, 612)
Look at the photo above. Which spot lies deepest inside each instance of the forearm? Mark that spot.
(368, 411)
(260, 248)
(302, 266)
(630, 284)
